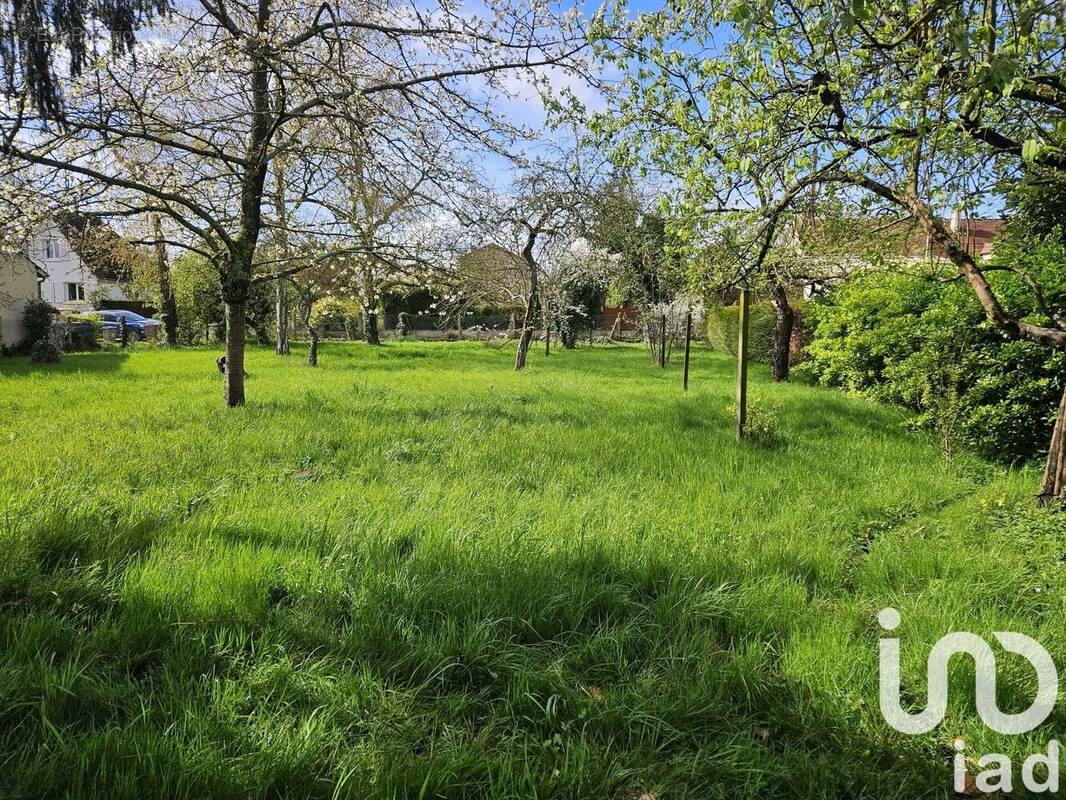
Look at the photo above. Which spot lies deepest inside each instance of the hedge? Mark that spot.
(723, 323)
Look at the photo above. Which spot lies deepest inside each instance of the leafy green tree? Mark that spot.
(620, 222)
(198, 298)
(906, 107)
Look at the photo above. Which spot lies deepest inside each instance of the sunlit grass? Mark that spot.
(414, 573)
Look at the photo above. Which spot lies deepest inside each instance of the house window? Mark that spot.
(75, 291)
(51, 248)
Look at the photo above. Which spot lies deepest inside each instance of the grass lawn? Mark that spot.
(414, 573)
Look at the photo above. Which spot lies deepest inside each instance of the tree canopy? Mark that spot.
(749, 107)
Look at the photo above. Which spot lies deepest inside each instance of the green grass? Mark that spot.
(414, 573)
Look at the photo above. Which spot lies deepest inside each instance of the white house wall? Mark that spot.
(18, 285)
(64, 266)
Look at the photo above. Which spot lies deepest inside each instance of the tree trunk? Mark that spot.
(306, 304)
(168, 306)
(281, 293)
(372, 335)
(567, 331)
(238, 266)
(547, 334)
(662, 342)
(784, 319)
(1054, 488)
(282, 315)
(527, 333)
(530, 318)
(235, 328)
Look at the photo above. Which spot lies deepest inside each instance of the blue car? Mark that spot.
(138, 327)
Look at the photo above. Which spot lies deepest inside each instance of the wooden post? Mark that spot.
(662, 343)
(547, 337)
(688, 344)
(742, 365)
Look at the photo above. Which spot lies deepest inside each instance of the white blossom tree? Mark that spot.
(218, 93)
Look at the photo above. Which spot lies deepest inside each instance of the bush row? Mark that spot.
(723, 324)
(923, 342)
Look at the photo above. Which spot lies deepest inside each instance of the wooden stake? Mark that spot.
(688, 344)
(742, 365)
(662, 343)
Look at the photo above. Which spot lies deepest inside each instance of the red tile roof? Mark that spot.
(976, 235)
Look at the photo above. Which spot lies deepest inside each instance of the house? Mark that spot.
(76, 265)
(831, 250)
(20, 282)
(494, 276)
(976, 235)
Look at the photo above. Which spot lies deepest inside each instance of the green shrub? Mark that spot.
(96, 330)
(925, 344)
(336, 313)
(723, 324)
(760, 417)
(37, 317)
(44, 351)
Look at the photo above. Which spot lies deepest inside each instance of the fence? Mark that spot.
(615, 324)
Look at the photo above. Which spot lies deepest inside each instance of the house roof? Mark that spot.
(976, 235)
(854, 237)
(106, 254)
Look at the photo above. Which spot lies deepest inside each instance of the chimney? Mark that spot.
(953, 224)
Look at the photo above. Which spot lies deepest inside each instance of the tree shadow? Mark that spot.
(98, 362)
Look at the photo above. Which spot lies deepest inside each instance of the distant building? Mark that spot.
(833, 250)
(20, 282)
(977, 235)
(494, 276)
(75, 269)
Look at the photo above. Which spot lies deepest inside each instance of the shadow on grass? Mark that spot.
(99, 362)
(591, 673)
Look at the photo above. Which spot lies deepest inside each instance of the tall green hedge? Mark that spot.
(926, 344)
(722, 327)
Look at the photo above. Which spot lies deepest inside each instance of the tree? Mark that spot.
(168, 306)
(219, 92)
(198, 297)
(622, 220)
(908, 107)
(573, 277)
(541, 258)
(281, 283)
(393, 173)
(313, 285)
